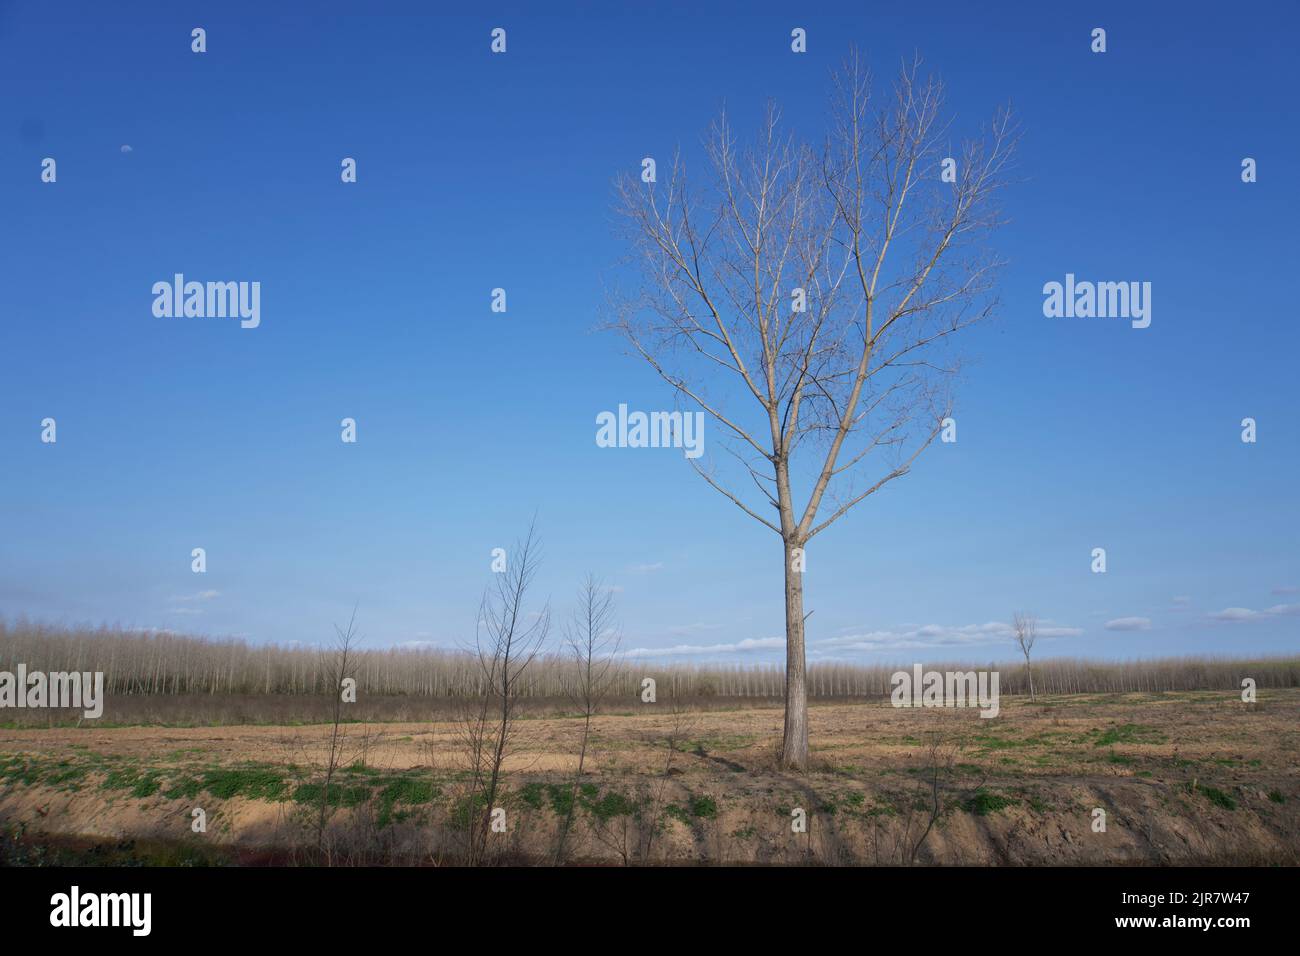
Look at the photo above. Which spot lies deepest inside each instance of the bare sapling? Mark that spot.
(593, 641)
(337, 664)
(508, 639)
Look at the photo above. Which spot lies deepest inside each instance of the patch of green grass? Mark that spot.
(561, 799)
(19, 770)
(612, 804)
(184, 788)
(313, 793)
(466, 808)
(1121, 759)
(65, 776)
(355, 796)
(147, 785)
(1218, 797)
(121, 778)
(531, 794)
(405, 790)
(410, 790)
(255, 783)
(982, 803)
(704, 807)
(1276, 796)
(1128, 734)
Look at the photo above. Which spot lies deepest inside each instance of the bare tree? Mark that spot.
(681, 728)
(804, 302)
(1026, 627)
(941, 755)
(507, 641)
(593, 641)
(337, 664)
(632, 836)
(924, 805)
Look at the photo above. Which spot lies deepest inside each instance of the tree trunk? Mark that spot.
(794, 745)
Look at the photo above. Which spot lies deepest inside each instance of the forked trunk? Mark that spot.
(794, 745)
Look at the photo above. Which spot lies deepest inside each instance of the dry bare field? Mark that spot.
(1187, 777)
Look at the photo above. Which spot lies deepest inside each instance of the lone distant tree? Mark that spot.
(804, 299)
(1026, 627)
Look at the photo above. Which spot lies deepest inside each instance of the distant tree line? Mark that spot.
(159, 663)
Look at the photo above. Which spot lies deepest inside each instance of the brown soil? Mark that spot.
(1182, 778)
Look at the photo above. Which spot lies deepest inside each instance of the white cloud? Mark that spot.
(1237, 615)
(1286, 589)
(646, 568)
(127, 149)
(693, 650)
(200, 596)
(940, 635)
(1129, 624)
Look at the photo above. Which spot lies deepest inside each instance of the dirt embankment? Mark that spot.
(1132, 779)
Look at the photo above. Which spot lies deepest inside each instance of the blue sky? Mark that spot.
(479, 171)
